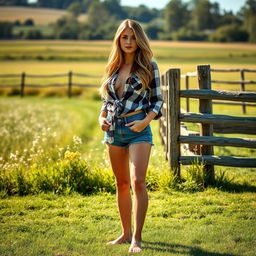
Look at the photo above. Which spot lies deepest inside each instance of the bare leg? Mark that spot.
(119, 158)
(139, 156)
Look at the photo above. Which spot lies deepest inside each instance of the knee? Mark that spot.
(138, 185)
(123, 185)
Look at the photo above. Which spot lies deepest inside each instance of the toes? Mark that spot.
(134, 249)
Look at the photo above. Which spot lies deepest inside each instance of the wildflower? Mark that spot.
(77, 140)
(71, 156)
(13, 156)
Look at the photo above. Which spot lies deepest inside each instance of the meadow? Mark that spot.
(40, 16)
(49, 144)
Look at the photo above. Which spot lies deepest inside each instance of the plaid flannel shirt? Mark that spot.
(134, 98)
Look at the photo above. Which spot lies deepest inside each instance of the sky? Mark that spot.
(228, 5)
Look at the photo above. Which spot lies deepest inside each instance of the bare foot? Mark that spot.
(135, 246)
(120, 240)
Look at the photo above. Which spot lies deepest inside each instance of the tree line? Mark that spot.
(196, 20)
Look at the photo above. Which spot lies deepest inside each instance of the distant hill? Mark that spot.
(41, 16)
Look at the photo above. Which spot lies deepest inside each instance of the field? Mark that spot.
(40, 16)
(47, 144)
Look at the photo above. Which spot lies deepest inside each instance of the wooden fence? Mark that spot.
(70, 75)
(170, 123)
(242, 84)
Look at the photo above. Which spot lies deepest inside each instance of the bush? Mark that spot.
(229, 33)
(153, 31)
(6, 30)
(69, 173)
(32, 34)
(29, 22)
(14, 91)
(185, 34)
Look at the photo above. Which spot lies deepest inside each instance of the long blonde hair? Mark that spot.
(142, 67)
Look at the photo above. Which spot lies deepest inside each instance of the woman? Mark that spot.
(132, 99)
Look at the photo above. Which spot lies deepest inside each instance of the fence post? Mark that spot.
(205, 107)
(187, 88)
(243, 89)
(163, 128)
(173, 78)
(70, 84)
(22, 84)
(165, 114)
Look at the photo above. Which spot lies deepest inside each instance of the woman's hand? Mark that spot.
(104, 123)
(138, 125)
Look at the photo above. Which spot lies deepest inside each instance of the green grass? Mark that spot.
(172, 52)
(210, 223)
(217, 221)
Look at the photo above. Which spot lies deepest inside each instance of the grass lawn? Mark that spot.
(214, 222)
(210, 223)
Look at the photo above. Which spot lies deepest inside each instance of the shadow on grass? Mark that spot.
(180, 249)
(232, 187)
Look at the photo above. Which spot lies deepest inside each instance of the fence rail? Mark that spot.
(242, 82)
(70, 75)
(172, 132)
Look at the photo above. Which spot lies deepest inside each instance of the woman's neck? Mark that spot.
(129, 59)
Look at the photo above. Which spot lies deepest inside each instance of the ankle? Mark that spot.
(136, 238)
(127, 234)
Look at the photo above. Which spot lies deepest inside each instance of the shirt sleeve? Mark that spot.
(156, 99)
(104, 105)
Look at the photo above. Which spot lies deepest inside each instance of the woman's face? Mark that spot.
(128, 41)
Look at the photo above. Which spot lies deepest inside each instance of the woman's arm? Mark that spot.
(156, 99)
(104, 123)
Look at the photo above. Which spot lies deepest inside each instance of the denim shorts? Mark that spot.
(124, 136)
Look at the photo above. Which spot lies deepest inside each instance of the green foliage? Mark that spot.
(186, 34)
(14, 2)
(6, 30)
(67, 27)
(29, 22)
(153, 31)
(229, 33)
(115, 9)
(33, 34)
(141, 13)
(98, 15)
(205, 15)
(175, 15)
(193, 20)
(75, 8)
(58, 4)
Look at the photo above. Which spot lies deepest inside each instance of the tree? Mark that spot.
(187, 34)
(153, 31)
(87, 3)
(14, 2)
(249, 12)
(6, 30)
(206, 15)
(67, 27)
(29, 22)
(75, 9)
(230, 18)
(33, 34)
(175, 15)
(98, 15)
(114, 7)
(229, 33)
(59, 4)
